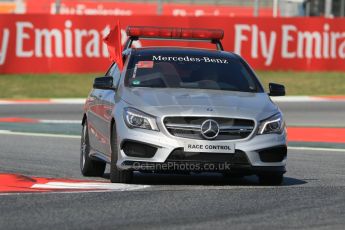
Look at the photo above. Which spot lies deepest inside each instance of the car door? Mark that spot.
(96, 118)
(107, 103)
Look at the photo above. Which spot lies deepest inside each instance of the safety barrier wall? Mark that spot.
(73, 44)
(118, 8)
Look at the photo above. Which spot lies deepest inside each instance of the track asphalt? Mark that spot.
(46, 168)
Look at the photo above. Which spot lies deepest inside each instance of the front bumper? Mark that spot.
(202, 167)
(263, 153)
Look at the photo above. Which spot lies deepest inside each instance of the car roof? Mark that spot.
(182, 51)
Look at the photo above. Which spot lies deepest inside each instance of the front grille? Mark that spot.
(190, 127)
(237, 158)
(275, 154)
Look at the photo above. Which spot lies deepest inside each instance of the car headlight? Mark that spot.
(137, 119)
(274, 124)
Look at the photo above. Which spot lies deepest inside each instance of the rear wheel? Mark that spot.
(271, 179)
(88, 166)
(117, 175)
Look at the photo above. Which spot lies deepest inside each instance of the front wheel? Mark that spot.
(116, 175)
(271, 179)
(88, 166)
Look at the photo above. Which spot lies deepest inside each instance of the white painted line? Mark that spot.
(4, 102)
(80, 101)
(7, 132)
(89, 185)
(298, 99)
(56, 192)
(77, 101)
(60, 121)
(317, 149)
(73, 101)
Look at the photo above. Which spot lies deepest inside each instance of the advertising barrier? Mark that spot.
(87, 7)
(73, 44)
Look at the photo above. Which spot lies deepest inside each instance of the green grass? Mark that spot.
(303, 83)
(78, 85)
(46, 86)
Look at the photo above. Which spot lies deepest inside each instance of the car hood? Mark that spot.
(199, 102)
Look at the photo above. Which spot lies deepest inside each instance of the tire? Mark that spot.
(271, 179)
(116, 175)
(88, 166)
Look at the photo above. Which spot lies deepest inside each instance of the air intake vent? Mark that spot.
(276, 154)
(136, 149)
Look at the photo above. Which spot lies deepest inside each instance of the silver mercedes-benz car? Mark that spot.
(182, 110)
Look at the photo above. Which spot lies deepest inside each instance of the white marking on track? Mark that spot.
(76, 101)
(7, 132)
(293, 99)
(60, 121)
(5, 102)
(80, 101)
(73, 101)
(89, 185)
(317, 149)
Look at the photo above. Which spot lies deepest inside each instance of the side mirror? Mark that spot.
(276, 89)
(103, 83)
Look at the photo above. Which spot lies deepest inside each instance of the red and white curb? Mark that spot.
(75, 101)
(308, 98)
(80, 101)
(295, 134)
(29, 134)
(13, 183)
(33, 120)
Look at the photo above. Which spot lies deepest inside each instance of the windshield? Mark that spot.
(197, 72)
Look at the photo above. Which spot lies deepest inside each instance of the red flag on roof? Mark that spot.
(113, 41)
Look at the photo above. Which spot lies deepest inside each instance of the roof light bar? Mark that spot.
(174, 33)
